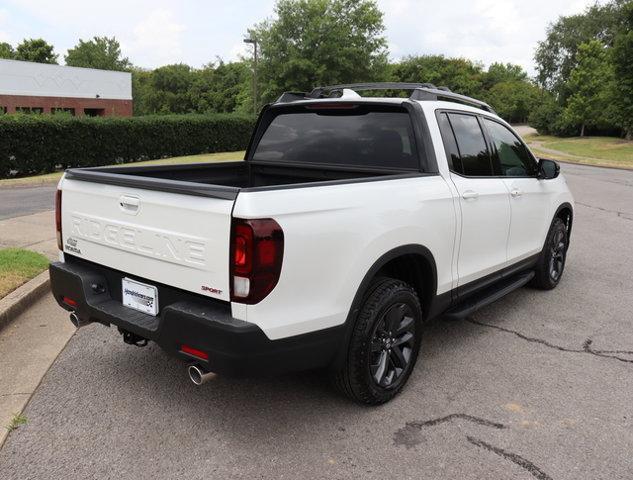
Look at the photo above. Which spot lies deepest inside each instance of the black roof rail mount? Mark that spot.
(420, 91)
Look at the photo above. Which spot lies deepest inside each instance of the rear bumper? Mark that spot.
(234, 347)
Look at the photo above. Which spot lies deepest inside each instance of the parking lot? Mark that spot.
(538, 385)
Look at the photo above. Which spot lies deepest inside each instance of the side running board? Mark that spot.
(487, 296)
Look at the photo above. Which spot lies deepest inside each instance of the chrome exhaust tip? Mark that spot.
(75, 320)
(199, 375)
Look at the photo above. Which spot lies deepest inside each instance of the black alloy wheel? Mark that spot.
(392, 345)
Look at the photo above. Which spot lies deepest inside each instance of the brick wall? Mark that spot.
(98, 106)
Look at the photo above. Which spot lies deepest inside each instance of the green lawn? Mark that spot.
(54, 177)
(18, 266)
(606, 151)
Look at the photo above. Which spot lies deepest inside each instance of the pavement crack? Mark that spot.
(586, 347)
(409, 435)
(462, 416)
(624, 215)
(513, 457)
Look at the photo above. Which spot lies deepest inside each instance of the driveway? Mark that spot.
(537, 385)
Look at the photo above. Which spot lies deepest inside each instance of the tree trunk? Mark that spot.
(629, 134)
(582, 130)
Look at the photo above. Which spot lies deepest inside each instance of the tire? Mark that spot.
(384, 344)
(551, 263)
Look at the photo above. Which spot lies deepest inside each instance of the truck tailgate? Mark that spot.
(169, 238)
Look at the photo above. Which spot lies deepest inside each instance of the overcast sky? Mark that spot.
(157, 32)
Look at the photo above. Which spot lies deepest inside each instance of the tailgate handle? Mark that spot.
(129, 204)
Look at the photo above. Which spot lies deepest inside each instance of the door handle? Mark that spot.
(129, 204)
(469, 194)
(515, 192)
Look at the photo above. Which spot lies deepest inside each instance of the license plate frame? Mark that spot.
(139, 296)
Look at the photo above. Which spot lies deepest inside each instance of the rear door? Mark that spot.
(174, 239)
(484, 201)
(529, 197)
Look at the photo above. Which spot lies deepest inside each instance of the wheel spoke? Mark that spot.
(405, 325)
(397, 358)
(381, 368)
(406, 338)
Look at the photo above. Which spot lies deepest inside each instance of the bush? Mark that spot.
(33, 144)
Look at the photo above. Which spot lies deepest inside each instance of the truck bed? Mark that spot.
(226, 179)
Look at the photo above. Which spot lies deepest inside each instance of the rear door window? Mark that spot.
(355, 136)
(473, 152)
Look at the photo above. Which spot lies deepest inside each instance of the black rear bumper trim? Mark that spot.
(235, 347)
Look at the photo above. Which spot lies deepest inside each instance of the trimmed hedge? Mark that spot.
(33, 144)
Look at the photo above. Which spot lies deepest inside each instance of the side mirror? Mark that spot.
(547, 169)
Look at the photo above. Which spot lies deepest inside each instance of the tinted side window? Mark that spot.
(355, 137)
(452, 153)
(514, 159)
(472, 146)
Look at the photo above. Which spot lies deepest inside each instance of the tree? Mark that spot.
(459, 74)
(35, 50)
(503, 72)
(6, 50)
(221, 88)
(320, 42)
(589, 82)
(556, 56)
(168, 89)
(623, 75)
(100, 52)
(513, 100)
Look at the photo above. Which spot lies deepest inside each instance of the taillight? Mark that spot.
(58, 218)
(257, 249)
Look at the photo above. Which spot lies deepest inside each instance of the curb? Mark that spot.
(22, 297)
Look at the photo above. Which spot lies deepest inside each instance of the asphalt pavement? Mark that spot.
(19, 201)
(537, 385)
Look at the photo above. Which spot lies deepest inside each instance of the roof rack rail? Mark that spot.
(420, 91)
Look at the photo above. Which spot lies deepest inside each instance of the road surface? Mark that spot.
(537, 385)
(20, 201)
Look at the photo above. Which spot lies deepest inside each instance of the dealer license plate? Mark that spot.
(140, 296)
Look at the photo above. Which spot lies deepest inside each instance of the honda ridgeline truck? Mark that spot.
(350, 222)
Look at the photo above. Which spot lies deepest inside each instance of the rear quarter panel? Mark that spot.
(334, 234)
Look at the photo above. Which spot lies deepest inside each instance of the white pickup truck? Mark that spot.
(350, 222)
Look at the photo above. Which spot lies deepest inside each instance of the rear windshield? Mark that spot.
(358, 137)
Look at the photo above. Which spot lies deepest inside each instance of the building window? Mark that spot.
(63, 111)
(94, 112)
(37, 110)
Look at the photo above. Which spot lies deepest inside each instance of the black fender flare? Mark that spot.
(363, 289)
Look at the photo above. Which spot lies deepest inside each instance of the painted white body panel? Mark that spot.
(178, 240)
(333, 234)
(332, 237)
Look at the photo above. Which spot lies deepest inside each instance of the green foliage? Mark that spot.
(100, 52)
(589, 82)
(6, 50)
(317, 42)
(513, 100)
(556, 56)
(36, 144)
(35, 50)
(623, 73)
(221, 88)
(458, 74)
(503, 72)
(546, 117)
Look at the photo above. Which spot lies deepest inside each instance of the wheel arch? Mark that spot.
(414, 264)
(565, 212)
